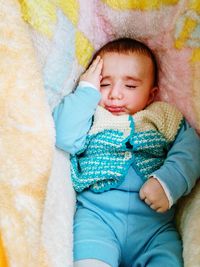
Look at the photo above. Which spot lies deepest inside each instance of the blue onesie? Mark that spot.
(115, 226)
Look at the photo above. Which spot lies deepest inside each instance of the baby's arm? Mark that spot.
(179, 172)
(73, 116)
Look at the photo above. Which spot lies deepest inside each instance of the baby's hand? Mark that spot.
(93, 73)
(153, 195)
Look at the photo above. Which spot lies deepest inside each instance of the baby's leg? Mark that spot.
(90, 262)
(94, 239)
(165, 249)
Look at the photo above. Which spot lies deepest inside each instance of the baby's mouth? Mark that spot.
(115, 109)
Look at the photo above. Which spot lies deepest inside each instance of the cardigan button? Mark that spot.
(127, 155)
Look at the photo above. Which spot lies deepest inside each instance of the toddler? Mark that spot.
(131, 160)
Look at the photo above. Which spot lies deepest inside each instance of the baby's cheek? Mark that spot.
(102, 102)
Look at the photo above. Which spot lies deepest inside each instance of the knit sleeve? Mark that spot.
(181, 168)
(73, 117)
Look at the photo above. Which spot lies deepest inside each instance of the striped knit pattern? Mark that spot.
(107, 168)
(116, 142)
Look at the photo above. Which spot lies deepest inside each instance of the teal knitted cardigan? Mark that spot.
(115, 142)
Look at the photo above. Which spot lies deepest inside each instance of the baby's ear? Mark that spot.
(152, 94)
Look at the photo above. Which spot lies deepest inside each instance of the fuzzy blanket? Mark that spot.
(44, 46)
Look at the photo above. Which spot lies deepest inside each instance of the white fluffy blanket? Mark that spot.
(40, 62)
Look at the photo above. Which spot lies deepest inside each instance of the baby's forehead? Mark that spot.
(116, 58)
(141, 63)
(121, 66)
(109, 54)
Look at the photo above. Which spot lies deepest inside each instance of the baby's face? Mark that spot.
(127, 83)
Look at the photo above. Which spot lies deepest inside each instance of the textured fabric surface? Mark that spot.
(26, 138)
(72, 31)
(103, 162)
(49, 49)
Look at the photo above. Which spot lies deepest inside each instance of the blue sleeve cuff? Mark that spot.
(87, 84)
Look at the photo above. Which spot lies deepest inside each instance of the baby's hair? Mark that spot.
(128, 46)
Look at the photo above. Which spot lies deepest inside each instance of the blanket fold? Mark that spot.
(26, 138)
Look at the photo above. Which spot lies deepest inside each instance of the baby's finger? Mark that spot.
(142, 195)
(99, 66)
(95, 63)
(161, 210)
(154, 207)
(147, 201)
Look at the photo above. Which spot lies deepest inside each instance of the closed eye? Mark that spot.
(131, 86)
(105, 84)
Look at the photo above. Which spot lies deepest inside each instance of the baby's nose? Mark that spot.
(116, 93)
